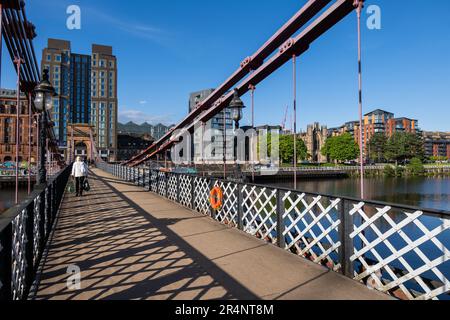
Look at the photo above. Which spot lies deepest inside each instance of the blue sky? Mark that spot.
(167, 49)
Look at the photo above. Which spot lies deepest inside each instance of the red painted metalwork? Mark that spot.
(30, 115)
(294, 46)
(294, 80)
(359, 5)
(18, 61)
(252, 92)
(306, 13)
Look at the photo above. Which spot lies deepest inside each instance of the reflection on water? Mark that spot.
(7, 196)
(432, 193)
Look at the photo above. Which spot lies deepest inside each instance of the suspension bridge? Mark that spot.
(143, 233)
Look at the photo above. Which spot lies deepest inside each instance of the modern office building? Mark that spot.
(87, 93)
(215, 150)
(8, 125)
(437, 144)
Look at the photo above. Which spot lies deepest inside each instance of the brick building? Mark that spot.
(8, 123)
(437, 144)
(377, 121)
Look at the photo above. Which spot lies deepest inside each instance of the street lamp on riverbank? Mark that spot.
(44, 93)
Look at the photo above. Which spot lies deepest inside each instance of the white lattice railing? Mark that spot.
(398, 250)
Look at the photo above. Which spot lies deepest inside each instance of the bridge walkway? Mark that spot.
(132, 244)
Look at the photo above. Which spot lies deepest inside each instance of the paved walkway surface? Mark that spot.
(132, 244)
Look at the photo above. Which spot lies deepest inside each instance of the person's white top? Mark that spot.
(79, 169)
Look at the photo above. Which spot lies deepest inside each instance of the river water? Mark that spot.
(7, 196)
(429, 193)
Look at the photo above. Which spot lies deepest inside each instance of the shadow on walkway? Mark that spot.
(125, 253)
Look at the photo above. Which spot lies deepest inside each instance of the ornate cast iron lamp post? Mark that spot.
(44, 93)
(236, 106)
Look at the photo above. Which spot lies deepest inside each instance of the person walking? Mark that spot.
(80, 173)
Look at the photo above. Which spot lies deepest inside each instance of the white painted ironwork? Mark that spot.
(154, 181)
(19, 242)
(185, 190)
(201, 187)
(259, 212)
(311, 231)
(36, 229)
(172, 187)
(404, 270)
(228, 214)
(162, 184)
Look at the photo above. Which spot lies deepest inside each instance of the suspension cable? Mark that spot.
(359, 5)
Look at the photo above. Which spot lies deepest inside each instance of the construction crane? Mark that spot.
(283, 124)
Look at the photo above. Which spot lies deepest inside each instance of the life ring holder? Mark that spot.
(216, 198)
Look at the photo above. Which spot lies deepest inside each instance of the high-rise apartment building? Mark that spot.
(56, 59)
(87, 93)
(104, 99)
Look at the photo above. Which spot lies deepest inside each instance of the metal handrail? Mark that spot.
(24, 232)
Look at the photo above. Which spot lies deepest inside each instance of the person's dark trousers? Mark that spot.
(79, 182)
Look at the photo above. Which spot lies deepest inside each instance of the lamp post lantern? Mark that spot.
(44, 93)
(236, 106)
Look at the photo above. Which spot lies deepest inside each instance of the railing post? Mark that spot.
(42, 220)
(29, 231)
(280, 220)
(178, 187)
(48, 215)
(212, 212)
(240, 207)
(6, 263)
(193, 192)
(167, 184)
(347, 249)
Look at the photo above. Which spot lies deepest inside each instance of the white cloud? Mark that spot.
(143, 102)
(132, 28)
(140, 117)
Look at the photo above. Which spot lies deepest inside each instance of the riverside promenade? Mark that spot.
(133, 244)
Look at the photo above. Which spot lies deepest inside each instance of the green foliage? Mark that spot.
(389, 171)
(403, 146)
(377, 147)
(438, 159)
(416, 167)
(394, 171)
(286, 148)
(341, 148)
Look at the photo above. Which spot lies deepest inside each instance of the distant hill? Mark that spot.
(156, 131)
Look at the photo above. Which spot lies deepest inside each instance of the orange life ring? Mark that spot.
(216, 198)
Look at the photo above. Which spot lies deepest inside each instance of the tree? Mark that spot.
(286, 147)
(341, 148)
(377, 147)
(416, 167)
(404, 146)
